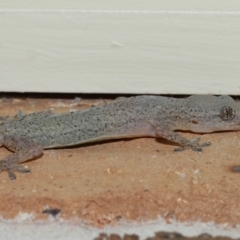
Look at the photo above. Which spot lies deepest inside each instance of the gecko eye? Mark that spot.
(226, 113)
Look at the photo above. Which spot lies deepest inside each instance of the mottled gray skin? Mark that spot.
(154, 116)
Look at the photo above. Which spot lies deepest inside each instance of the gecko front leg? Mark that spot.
(193, 144)
(24, 149)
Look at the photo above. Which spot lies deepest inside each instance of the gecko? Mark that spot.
(26, 135)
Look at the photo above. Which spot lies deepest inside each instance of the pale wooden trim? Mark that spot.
(155, 47)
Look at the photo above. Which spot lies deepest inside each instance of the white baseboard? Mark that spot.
(160, 47)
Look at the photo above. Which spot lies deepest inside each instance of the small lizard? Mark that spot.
(153, 116)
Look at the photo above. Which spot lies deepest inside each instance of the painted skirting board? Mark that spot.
(159, 47)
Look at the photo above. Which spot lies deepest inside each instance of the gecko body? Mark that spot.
(152, 116)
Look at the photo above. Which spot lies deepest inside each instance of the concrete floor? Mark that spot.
(138, 180)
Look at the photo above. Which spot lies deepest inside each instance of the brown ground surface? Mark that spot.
(138, 179)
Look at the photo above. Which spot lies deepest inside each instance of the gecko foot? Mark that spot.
(193, 145)
(14, 167)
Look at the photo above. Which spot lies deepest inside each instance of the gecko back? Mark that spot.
(128, 117)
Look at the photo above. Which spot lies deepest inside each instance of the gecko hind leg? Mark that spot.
(193, 145)
(24, 148)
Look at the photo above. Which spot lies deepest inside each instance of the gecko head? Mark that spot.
(216, 114)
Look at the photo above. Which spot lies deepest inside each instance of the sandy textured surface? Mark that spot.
(138, 179)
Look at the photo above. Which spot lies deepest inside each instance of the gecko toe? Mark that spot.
(196, 149)
(206, 144)
(12, 175)
(195, 140)
(176, 150)
(22, 169)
